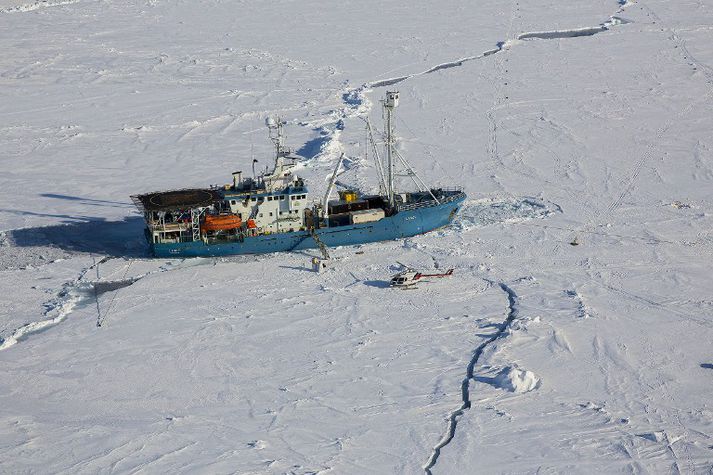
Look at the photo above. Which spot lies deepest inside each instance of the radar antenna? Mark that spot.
(274, 126)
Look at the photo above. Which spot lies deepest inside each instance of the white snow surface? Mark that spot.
(562, 120)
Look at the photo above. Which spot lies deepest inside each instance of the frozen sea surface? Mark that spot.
(566, 122)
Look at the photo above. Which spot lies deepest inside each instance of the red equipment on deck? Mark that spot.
(223, 222)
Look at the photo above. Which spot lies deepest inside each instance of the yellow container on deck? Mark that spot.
(348, 195)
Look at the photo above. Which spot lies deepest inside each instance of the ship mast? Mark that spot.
(275, 131)
(389, 104)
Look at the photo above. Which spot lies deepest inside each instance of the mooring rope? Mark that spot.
(101, 320)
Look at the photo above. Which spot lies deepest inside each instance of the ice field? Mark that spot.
(564, 121)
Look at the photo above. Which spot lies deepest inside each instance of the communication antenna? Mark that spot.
(274, 126)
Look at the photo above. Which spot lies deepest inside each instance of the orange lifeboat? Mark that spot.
(224, 222)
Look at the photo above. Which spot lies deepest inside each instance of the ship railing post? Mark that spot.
(195, 223)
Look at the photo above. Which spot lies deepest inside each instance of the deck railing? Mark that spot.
(457, 193)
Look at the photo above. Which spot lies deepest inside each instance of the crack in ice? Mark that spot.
(72, 294)
(454, 416)
(61, 306)
(547, 35)
(28, 7)
(452, 64)
(356, 104)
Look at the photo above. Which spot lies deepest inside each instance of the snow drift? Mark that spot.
(516, 380)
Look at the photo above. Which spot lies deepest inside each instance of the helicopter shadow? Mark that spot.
(379, 284)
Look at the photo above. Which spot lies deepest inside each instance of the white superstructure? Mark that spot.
(275, 201)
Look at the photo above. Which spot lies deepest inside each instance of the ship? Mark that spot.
(273, 212)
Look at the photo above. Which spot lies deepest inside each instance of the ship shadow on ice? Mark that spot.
(88, 201)
(313, 147)
(123, 238)
(318, 145)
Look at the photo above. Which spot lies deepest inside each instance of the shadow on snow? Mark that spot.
(89, 235)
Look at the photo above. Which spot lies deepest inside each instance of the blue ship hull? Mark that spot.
(403, 224)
